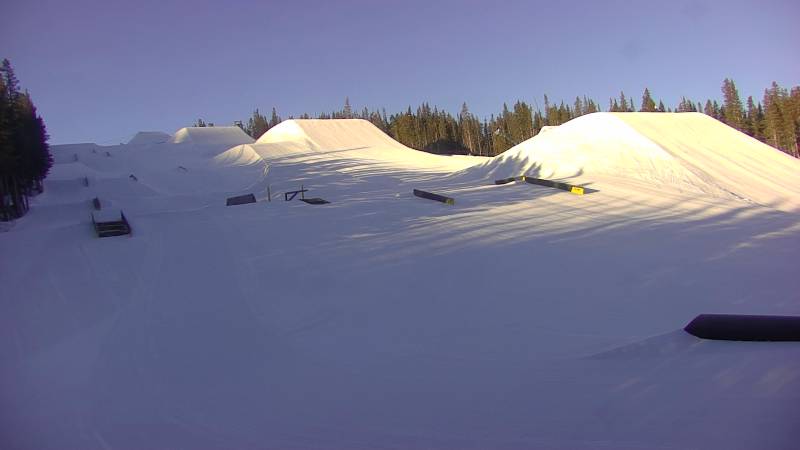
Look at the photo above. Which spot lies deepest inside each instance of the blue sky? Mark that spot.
(101, 70)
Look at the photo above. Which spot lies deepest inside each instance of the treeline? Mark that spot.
(775, 120)
(25, 156)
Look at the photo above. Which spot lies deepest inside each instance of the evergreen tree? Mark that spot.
(470, 130)
(538, 122)
(661, 107)
(648, 105)
(32, 139)
(25, 158)
(257, 125)
(686, 105)
(708, 109)
(752, 122)
(732, 105)
(578, 107)
(549, 113)
(347, 111)
(274, 119)
(591, 106)
(780, 126)
(794, 114)
(9, 159)
(623, 102)
(521, 122)
(717, 110)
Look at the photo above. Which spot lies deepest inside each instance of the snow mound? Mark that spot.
(690, 152)
(354, 139)
(332, 134)
(212, 136)
(241, 155)
(149, 137)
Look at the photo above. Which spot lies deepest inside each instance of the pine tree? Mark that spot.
(794, 114)
(752, 123)
(648, 105)
(661, 107)
(8, 158)
(732, 105)
(257, 125)
(717, 110)
(12, 195)
(521, 122)
(591, 106)
(36, 159)
(274, 119)
(708, 109)
(25, 158)
(623, 102)
(686, 105)
(470, 130)
(347, 112)
(538, 122)
(780, 126)
(578, 107)
(549, 116)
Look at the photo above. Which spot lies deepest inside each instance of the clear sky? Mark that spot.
(100, 70)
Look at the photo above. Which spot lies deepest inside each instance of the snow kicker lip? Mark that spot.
(736, 327)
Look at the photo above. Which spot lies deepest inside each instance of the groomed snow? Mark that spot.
(149, 137)
(212, 136)
(520, 317)
(688, 152)
(348, 140)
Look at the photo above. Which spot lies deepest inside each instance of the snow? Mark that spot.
(520, 317)
(149, 137)
(348, 140)
(688, 152)
(220, 137)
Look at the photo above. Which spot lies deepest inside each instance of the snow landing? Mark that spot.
(520, 317)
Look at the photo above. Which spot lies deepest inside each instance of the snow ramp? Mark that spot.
(688, 152)
(149, 138)
(212, 136)
(354, 139)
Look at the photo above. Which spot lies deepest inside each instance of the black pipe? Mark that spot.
(735, 327)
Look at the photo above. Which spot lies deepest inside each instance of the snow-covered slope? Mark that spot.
(520, 317)
(199, 170)
(212, 136)
(149, 137)
(349, 139)
(688, 152)
(326, 135)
